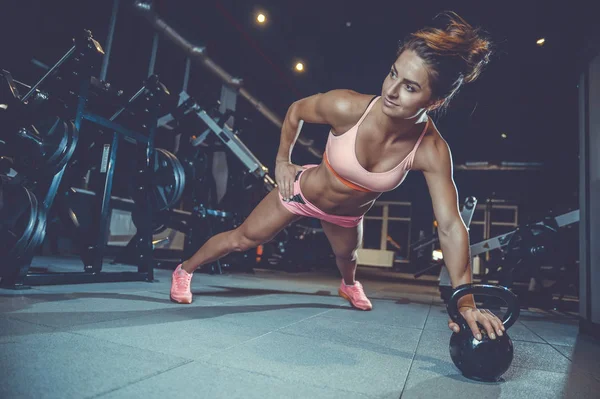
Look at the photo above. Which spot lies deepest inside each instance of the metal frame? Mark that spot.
(501, 241)
(226, 135)
(386, 218)
(488, 221)
(466, 214)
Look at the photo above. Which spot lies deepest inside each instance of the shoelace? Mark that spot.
(358, 288)
(182, 281)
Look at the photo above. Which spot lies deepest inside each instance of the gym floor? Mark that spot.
(266, 335)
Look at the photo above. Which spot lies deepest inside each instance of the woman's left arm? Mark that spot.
(452, 232)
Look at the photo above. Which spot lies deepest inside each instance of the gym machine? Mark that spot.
(531, 253)
(196, 223)
(524, 252)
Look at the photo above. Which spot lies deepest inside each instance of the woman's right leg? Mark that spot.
(264, 222)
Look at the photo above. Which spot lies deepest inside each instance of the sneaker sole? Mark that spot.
(183, 302)
(346, 297)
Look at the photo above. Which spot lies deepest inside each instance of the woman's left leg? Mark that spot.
(344, 242)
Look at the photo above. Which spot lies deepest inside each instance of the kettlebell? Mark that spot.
(486, 360)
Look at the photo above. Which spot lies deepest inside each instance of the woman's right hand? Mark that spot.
(285, 174)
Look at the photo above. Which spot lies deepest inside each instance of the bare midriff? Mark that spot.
(329, 194)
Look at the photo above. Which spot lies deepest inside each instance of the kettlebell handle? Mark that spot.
(484, 289)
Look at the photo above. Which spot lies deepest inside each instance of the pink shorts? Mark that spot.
(299, 205)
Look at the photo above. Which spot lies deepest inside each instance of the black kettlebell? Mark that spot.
(486, 360)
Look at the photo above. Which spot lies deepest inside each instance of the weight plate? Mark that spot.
(180, 173)
(39, 233)
(55, 143)
(72, 140)
(18, 214)
(167, 182)
(38, 148)
(177, 178)
(183, 180)
(157, 227)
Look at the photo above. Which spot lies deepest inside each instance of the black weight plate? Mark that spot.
(157, 227)
(182, 174)
(165, 181)
(176, 178)
(73, 139)
(180, 177)
(38, 235)
(179, 192)
(32, 158)
(18, 213)
(28, 230)
(55, 142)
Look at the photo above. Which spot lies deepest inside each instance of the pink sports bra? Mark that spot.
(340, 157)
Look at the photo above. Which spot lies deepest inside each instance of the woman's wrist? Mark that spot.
(467, 301)
(280, 158)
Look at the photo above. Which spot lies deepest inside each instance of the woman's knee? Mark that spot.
(349, 255)
(242, 241)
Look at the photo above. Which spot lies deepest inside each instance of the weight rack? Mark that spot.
(84, 52)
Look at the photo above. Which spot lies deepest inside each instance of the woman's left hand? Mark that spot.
(487, 319)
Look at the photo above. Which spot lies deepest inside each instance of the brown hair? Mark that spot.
(454, 55)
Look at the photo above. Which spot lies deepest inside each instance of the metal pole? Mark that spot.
(153, 54)
(186, 74)
(109, 39)
(384, 227)
(59, 63)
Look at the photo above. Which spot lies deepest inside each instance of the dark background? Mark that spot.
(527, 91)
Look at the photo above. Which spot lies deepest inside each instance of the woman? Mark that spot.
(373, 143)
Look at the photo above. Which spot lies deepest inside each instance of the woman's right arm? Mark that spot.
(332, 108)
(336, 108)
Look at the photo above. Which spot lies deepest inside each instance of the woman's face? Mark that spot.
(406, 91)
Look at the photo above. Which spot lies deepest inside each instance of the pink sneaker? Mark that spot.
(180, 286)
(355, 295)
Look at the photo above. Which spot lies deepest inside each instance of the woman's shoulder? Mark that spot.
(433, 152)
(349, 106)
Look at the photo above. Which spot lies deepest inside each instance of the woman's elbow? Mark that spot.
(452, 227)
